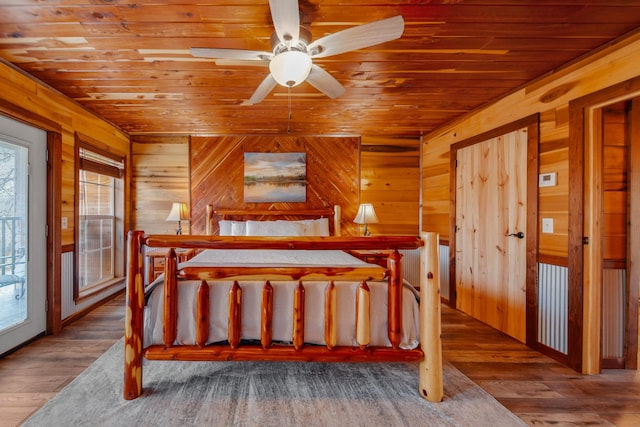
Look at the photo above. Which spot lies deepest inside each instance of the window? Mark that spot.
(100, 204)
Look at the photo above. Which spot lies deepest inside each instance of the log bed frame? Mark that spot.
(429, 353)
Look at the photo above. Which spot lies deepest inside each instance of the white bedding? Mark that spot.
(304, 227)
(282, 301)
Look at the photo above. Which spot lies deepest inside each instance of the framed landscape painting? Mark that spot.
(275, 177)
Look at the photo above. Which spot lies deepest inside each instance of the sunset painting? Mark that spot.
(275, 177)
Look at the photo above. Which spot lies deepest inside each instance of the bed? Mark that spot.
(297, 297)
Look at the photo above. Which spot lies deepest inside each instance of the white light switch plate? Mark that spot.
(547, 225)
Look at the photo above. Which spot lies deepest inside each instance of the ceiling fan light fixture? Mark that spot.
(290, 68)
(292, 51)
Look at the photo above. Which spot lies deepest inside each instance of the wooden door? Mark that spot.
(491, 221)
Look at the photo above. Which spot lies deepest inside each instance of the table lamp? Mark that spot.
(366, 215)
(179, 212)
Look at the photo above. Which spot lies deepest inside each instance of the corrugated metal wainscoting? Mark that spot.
(444, 272)
(553, 306)
(613, 312)
(411, 268)
(411, 265)
(68, 304)
(553, 309)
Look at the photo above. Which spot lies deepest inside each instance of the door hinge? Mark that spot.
(46, 305)
(585, 240)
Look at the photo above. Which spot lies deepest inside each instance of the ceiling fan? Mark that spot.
(292, 51)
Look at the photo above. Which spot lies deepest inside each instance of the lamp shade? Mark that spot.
(290, 68)
(179, 212)
(366, 214)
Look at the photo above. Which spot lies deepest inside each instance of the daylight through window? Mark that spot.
(100, 179)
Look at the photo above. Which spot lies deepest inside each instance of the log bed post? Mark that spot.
(266, 323)
(170, 329)
(330, 315)
(134, 317)
(234, 333)
(298, 316)
(202, 314)
(363, 315)
(337, 214)
(431, 383)
(209, 223)
(394, 323)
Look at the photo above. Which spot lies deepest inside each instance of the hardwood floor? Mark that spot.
(34, 374)
(537, 389)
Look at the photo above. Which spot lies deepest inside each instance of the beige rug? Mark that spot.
(268, 394)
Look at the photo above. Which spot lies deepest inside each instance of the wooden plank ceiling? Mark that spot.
(129, 61)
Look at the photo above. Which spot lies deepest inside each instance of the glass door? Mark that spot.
(22, 233)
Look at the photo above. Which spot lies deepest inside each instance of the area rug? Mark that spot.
(268, 394)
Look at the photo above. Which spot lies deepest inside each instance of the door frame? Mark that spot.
(585, 233)
(54, 207)
(531, 233)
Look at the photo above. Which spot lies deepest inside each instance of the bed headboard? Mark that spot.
(214, 215)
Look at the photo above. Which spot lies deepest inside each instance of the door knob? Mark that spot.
(519, 235)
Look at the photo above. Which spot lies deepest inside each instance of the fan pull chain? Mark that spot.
(289, 104)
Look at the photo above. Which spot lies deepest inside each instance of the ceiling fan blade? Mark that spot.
(358, 37)
(286, 20)
(324, 82)
(251, 55)
(263, 90)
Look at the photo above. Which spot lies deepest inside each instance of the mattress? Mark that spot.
(282, 301)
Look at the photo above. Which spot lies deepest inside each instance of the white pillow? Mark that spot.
(225, 227)
(238, 228)
(322, 227)
(315, 227)
(305, 227)
(274, 228)
(290, 228)
(309, 226)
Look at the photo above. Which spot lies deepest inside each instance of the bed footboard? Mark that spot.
(428, 353)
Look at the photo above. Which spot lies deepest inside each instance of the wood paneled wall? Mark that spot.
(615, 154)
(389, 177)
(390, 180)
(553, 202)
(26, 99)
(160, 176)
(549, 96)
(217, 173)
